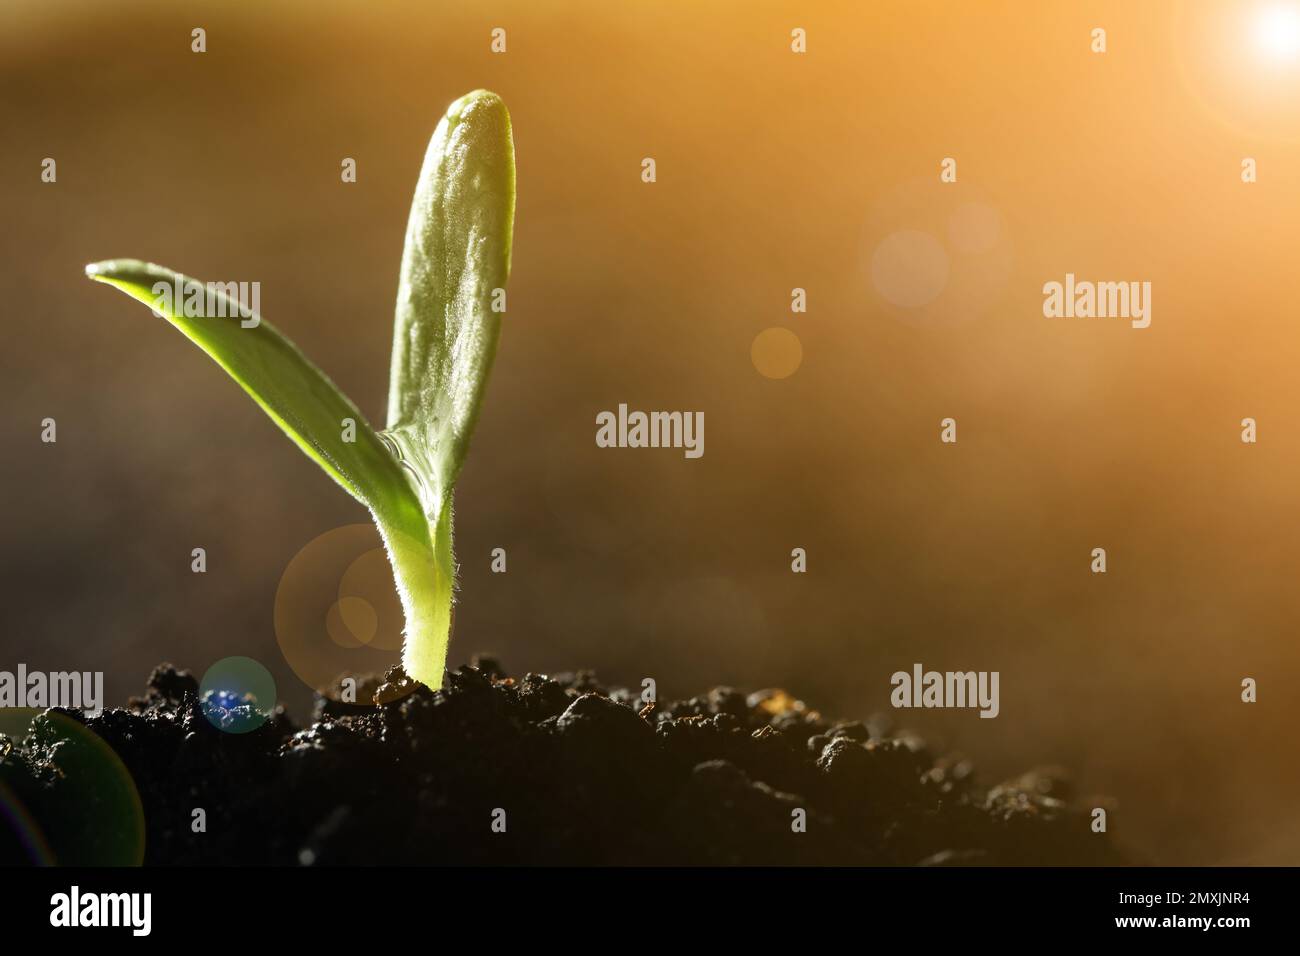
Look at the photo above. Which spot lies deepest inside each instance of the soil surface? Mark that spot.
(576, 773)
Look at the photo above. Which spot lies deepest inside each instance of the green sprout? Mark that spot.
(449, 302)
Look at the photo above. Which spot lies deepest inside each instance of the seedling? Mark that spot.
(454, 266)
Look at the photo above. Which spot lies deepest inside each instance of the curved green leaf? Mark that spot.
(290, 389)
(311, 410)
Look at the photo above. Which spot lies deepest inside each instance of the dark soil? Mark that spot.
(585, 775)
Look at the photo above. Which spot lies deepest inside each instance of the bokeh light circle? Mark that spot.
(337, 613)
(351, 621)
(936, 256)
(85, 811)
(974, 228)
(910, 268)
(237, 695)
(776, 353)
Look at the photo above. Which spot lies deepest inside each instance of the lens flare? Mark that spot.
(776, 353)
(237, 695)
(82, 810)
(19, 827)
(337, 614)
(1277, 32)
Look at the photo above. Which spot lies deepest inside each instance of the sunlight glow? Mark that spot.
(1277, 31)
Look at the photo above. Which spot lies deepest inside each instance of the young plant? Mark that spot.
(454, 268)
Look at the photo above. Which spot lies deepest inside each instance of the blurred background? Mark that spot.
(774, 171)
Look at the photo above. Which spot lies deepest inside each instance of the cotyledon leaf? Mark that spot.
(454, 265)
(312, 411)
(290, 389)
(450, 292)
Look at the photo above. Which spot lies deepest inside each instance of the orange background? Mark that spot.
(774, 171)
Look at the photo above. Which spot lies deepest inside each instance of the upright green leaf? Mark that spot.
(454, 269)
(456, 258)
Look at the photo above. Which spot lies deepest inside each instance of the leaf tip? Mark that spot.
(110, 269)
(480, 121)
(479, 97)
